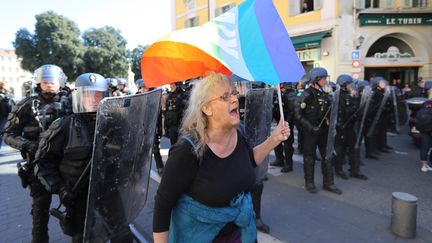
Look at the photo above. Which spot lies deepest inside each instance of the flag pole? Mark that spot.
(280, 105)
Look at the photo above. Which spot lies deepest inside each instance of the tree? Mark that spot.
(106, 52)
(55, 41)
(135, 57)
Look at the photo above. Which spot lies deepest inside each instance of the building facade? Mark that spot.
(12, 74)
(364, 38)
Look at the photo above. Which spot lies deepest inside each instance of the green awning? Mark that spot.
(310, 40)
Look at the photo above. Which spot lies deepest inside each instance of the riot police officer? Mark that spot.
(284, 151)
(66, 149)
(26, 121)
(158, 135)
(175, 105)
(312, 112)
(376, 139)
(348, 112)
(112, 85)
(122, 86)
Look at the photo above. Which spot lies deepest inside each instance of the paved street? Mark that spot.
(361, 214)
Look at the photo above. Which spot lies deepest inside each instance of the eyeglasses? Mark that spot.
(226, 96)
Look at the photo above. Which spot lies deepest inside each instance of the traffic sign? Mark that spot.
(355, 64)
(355, 75)
(355, 55)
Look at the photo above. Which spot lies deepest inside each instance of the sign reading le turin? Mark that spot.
(396, 19)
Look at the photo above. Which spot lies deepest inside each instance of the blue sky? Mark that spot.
(141, 22)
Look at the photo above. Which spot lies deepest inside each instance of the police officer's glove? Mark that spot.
(315, 130)
(30, 147)
(67, 197)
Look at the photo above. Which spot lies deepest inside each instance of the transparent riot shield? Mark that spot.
(258, 118)
(332, 124)
(120, 171)
(379, 112)
(394, 98)
(364, 105)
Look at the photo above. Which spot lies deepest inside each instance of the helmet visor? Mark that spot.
(87, 99)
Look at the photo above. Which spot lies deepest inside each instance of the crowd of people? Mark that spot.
(208, 191)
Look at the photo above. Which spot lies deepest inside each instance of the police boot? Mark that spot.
(279, 156)
(288, 167)
(256, 201)
(41, 201)
(369, 149)
(308, 167)
(355, 165)
(339, 169)
(328, 183)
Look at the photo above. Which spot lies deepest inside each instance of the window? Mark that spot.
(307, 6)
(192, 22)
(224, 9)
(303, 6)
(361, 4)
(372, 4)
(415, 3)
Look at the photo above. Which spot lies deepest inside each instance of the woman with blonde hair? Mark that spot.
(204, 192)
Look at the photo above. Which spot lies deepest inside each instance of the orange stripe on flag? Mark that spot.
(168, 62)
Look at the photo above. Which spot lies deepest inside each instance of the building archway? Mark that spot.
(395, 56)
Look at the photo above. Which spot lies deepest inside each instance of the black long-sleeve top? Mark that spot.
(213, 182)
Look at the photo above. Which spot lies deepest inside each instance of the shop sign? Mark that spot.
(309, 54)
(392, 54)
(396, 19)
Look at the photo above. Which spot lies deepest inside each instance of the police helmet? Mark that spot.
(122, 81)
(90, 89)
(317, 73)
(427, 85)
(139, 83)
(112, 83)
(50, 74)
(344, 79)
(375, 82)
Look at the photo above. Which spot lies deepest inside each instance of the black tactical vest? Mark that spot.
(317, 106)
(78, 150)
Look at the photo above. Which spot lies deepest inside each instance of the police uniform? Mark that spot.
(311, 111)
(25, 123)
(175, 105)
(345, 139)
(284, 151)
(64, 152)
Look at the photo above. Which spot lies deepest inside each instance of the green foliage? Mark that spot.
(55, 41)
(106, 52)
(135, 57)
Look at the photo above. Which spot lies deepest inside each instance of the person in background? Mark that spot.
(6, 103)
(424, 125)
(204, 194)
(158, 135)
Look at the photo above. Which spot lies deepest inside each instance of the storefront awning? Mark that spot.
(310, 40)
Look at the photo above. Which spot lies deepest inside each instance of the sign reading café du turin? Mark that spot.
(396, 19)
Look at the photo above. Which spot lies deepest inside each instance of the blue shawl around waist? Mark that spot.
(194, 222)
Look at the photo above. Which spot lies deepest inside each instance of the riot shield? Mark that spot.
(120, 171)
(258, 118)
(403, 112)
(332, 124)
(366, 94)
(393, 90)
(364, 105)
(380, 110)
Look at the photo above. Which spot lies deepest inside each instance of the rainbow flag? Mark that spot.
(250, 41)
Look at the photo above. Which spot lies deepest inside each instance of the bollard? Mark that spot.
(404, 214)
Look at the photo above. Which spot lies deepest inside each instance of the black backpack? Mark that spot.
(424, 118)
